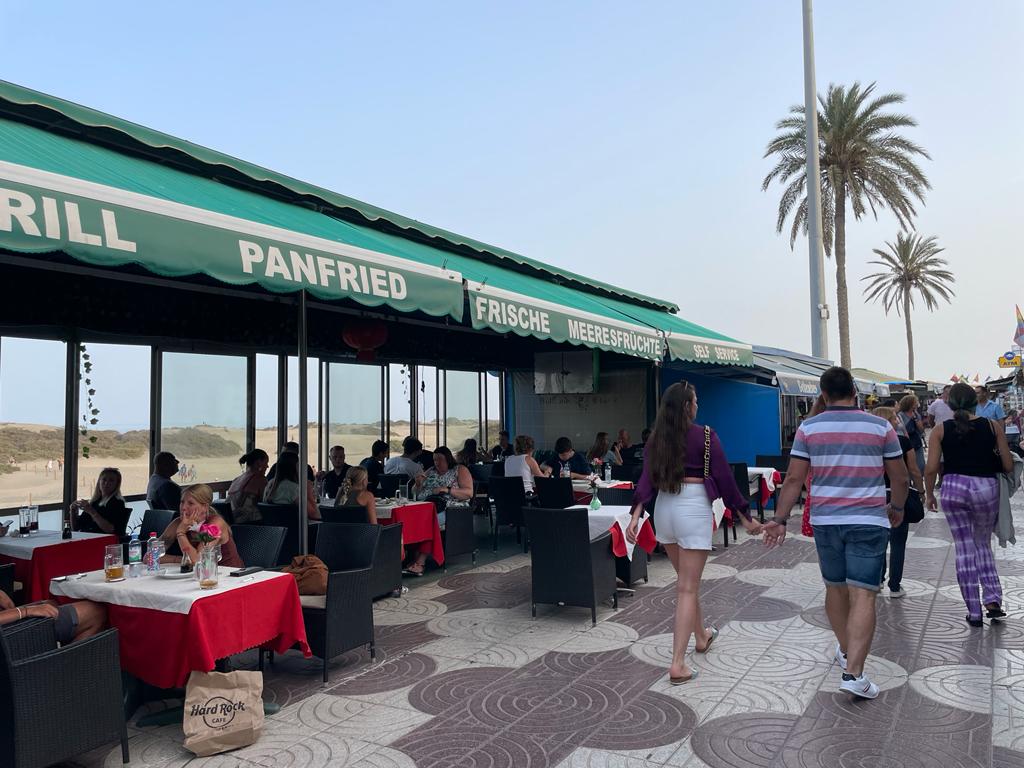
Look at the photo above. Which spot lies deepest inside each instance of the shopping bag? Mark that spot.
(223, 710)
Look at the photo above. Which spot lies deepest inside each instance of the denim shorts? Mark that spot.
(851, 555)
(66, 624)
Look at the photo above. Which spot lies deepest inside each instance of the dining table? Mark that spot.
(615, 518)
(583, 491)
(419, 523)
(168, 627)
(45, 555)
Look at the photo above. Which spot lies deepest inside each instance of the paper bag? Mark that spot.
(310, 574)
(718, 510)
(223, 710)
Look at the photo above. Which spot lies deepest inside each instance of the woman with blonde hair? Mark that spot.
(354, 493)
(181, 536)
(106, 511)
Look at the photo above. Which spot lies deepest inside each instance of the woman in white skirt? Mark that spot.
(685, 464)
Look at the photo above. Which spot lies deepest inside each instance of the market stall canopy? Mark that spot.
(795, 374)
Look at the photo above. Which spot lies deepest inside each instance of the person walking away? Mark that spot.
(684, 462)
(898, 535)
(973, 451)
(848, 453)
(939, 411)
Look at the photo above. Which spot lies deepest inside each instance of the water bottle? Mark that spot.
(134, 557)
(153, 553)
(564, 472)
(608, 472)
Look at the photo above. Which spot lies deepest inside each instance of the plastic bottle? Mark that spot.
(608, 472)
(565, 471)
(134, 557)
(153, 553)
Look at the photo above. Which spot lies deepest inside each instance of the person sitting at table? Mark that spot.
(290, 447)
(524, 465)
(406, 464)
(504, 448)
(71, 621)
(445, 481)
(634, 454)
(567, 458)
(353, 492)
(106, 511)
(333, 478)
(374, 463)
(284, 488)
(470, 453)
(603, 451)
(181, 536)
(425, 460)
(162, 492)
(246, 490)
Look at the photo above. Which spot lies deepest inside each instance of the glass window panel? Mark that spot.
(266, 404)
(356, 410)
(312, 423)
(492, 389)
(203, 414)
(426, 405)
(118, 378)
(462, 408)
(400, 408)
(31, 421)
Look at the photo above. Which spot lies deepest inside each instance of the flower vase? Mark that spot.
(595, 503)
(206, 567)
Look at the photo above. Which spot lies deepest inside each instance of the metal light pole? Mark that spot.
(816, 251)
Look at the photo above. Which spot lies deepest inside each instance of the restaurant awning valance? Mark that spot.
(110, 209)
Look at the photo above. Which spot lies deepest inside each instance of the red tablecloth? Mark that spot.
(59, 559)
(644, 539)
(162, 648)
(419, 523)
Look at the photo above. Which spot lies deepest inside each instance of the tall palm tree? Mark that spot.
(864, 161)
(910, 265)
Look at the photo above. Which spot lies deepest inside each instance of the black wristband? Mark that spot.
(780, 520)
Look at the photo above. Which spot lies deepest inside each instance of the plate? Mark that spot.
(167, 574)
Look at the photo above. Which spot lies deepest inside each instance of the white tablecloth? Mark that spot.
(608, 515)
(584, 485)
(756, 474)
(155, 592)
(21, 547)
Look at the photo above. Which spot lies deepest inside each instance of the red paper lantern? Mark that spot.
(365, 336)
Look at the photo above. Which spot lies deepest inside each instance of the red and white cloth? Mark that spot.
(163, 647)
(583, 493)
(419, 523)
(45, 555)
(615, 518)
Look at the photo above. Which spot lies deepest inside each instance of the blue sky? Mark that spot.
(623, 141)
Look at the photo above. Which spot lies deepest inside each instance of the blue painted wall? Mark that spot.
(745, 416)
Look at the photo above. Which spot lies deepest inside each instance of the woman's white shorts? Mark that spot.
(684, 518)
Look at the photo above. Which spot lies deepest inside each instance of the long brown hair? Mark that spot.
(666, 452)
(600, 447)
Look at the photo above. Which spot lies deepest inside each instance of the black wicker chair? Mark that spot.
(616, 497)
(387, 488)
(7, 579)
(343, 618)
(355, 513)
(509, 498)
(58, 703)
(155, 521)
(628, 472)
(554, 492)
(223, 508)
(283, 516)
(458, 532)
(742, 478)
(567, 567)
(386, 577)
(780, 463)
(259, 545)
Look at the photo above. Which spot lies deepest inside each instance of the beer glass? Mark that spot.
(113, 562)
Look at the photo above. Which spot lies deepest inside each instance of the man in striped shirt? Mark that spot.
(848, 453)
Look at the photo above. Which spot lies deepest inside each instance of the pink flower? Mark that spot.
(212, 530)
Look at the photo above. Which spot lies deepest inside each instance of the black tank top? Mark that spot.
(973, 453)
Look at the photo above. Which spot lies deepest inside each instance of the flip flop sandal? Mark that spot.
(714, 636)
(412, 572)
(995, 613)
(684, 679)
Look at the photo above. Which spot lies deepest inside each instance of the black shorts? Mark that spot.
(66, 624)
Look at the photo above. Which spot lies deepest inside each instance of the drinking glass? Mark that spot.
(24, 518)
(33, 518)
(113, 562)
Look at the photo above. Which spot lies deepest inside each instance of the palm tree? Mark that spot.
(863, 160)
(911, 264)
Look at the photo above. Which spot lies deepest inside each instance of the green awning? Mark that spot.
(688, 341)
(28, 105)
(109, 209)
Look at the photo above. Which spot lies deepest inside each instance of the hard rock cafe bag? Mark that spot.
(223, 711)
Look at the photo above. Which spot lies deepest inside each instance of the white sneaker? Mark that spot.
(840, 658)
(895, 594)
(859, 686)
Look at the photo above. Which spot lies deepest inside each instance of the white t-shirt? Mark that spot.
(940, 411)
(402, 465)
(516, 465)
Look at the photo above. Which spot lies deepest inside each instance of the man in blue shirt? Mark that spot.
(987, 407)
(567, 458)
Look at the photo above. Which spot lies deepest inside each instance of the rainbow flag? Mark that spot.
(1018, 337)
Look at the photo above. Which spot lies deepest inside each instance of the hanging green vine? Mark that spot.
(91, 412)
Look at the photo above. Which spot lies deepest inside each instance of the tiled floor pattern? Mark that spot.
(465, 677)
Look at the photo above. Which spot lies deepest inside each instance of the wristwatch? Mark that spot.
(781, 520)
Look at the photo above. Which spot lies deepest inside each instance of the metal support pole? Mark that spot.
(282, 401)
(156, 397)
(250, 402)
(320, 414)
(71, 425)
(303, 442)
(816, 251)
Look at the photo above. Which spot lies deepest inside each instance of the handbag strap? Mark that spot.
(707, 451)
